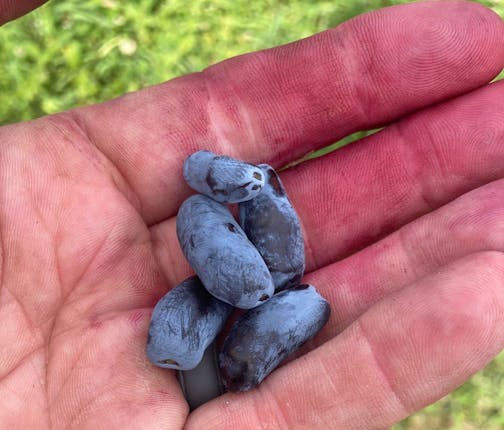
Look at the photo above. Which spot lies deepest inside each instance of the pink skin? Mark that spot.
(404, 230)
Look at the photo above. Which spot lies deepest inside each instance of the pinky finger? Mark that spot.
(407, 351)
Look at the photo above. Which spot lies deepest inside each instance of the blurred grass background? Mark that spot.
(72, 52)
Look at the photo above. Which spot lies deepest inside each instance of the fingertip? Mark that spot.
(491, 35)
(440, 47)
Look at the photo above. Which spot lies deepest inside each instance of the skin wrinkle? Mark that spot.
(117, 177)
(498, 314)
(118, 154)
(113, 315)
(52, 400)
(50, 337)
(70, 374)
(403, 408)
(28, 361)
(411, 254)
(87, 323)
(87, 408)
(73, 128)
(90, 263)
(81, 409)
(281, 421)
(43, 385)
(119, 252)
(243, 117)
(352, 67)
(61, 301)
(164, 251)
(72, 295)
(52, 331)
(25, 314)
(218, 132)
(3, 207)
(47, 381)
(408, 153)
(60, 123)
(22, 362)
(327, 377)
(438, 160)
(42, 380)
(41, 221)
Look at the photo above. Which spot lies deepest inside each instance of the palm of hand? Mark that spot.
(75, 301)
(88, 242)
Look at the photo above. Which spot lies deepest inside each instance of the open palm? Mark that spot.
(403, 230)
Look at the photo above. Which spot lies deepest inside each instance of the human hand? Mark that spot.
(403, 230)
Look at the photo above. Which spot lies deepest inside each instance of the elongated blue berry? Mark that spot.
(222, 178)
(184, 322)
(228, 264)
(266, 335)
(272, 225)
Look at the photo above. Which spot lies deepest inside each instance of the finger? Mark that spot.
(365, 191)
(471, 223)
(404, 353)
(468, 225)
(352, 198)
(275, 105)
(12, 9)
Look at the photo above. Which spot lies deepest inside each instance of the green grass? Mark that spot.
(476, 405)
(71, 53)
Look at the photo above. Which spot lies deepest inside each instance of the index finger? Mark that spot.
(276, 105)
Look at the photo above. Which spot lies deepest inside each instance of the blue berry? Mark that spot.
(272, 225)
(184, 322)
(264, 336)
(228, 264)
(222, 178)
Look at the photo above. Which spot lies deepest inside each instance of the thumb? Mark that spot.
(12, 9)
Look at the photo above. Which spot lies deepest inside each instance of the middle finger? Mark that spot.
(356, 196)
